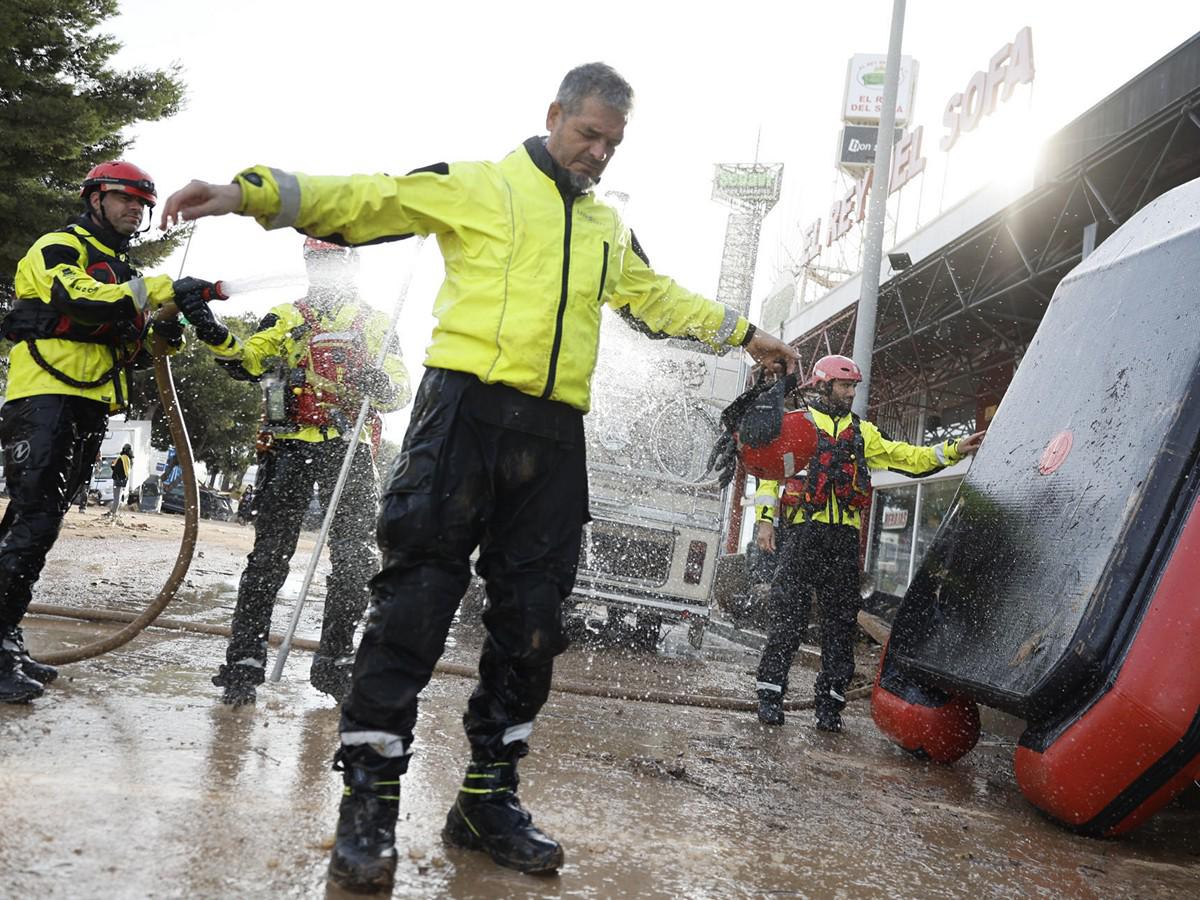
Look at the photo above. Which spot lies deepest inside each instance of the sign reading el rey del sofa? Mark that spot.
(863, 101)
(1009, 66)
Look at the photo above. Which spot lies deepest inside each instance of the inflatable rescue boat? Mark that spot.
(1063, 586)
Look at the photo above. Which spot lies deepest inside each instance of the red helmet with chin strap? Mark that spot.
(834, 368)
(122, 176)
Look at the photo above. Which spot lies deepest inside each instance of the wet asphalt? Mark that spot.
(130, 779)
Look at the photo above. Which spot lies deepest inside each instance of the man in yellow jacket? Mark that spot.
(79, 323)
(327, 346)
(494, 455)
(819, 555)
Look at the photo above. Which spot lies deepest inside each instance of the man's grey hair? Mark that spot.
(597, 80)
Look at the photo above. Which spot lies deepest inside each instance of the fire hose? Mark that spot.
(609, 692)
(191, 495)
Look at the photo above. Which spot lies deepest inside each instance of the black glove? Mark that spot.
(375, 382)
(762, 421)
(206, 290)
(207, 326)
(169, 330)
(723, 458)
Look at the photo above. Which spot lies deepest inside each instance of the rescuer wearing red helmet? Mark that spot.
(327, 345)
(494, 458)
(818, 555)
(79, 322)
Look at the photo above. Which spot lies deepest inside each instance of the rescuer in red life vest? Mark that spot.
(328, 344)
(80, 321)
(819, 555)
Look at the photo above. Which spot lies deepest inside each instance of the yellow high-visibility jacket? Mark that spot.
(880, 453)
(72, 273)
(528, 263)
(283, 334)
(125, 464)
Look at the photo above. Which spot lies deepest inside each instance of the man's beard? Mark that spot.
(581, 183)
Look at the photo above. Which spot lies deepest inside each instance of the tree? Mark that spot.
(62, 110)
(222, 414)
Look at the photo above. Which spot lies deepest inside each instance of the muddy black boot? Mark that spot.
(39, 672)
(828, 720)
(15, 685)
(364, 851)
(770, 707)
(488, 816)
(827, 704)
(331, 675)
(239, 682)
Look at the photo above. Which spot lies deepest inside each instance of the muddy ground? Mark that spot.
(129, 779)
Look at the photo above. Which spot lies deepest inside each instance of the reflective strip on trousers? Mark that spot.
(517, 733)
(389, 746)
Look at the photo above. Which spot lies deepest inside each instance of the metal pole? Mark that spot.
(912, 550)
(282, 655)
(868, 299)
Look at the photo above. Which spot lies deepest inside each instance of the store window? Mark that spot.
(904, 519)
(892, 537)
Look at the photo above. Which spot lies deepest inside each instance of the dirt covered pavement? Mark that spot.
(129, 779)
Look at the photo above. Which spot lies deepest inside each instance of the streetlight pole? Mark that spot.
(868, 298)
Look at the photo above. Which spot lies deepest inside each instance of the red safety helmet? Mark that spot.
(787, 454)
(122, 176)
(834, 368)
(317, 249)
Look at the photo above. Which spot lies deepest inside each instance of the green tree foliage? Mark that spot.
(62, 109)
(222, 414)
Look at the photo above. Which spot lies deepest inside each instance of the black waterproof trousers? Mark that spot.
(820, 559)
(790, 598)
(50, 442)
(294, 466)
(489, 467)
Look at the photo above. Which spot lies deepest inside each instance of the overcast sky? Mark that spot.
(357, 86)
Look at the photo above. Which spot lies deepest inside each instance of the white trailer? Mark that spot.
(650, 553)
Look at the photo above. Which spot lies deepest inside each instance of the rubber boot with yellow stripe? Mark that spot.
(488, 816)
(364, 851)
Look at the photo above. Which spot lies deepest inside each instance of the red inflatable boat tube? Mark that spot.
(926, 722)
(1137, 746)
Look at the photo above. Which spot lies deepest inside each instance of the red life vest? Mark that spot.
(838, 469)
(793, 493)
(324, 399)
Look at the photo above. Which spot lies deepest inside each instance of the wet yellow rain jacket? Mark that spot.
(528, 263)
(283, 334)
(880, 453)
(72, 273)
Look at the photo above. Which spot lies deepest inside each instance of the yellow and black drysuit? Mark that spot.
(818, 549)
(494, 455)
(298, 456)
(79, 324)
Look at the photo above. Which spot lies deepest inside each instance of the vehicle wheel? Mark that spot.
(647, 630)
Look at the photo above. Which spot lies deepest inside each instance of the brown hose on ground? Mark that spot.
(706, 701)
(191, 515)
